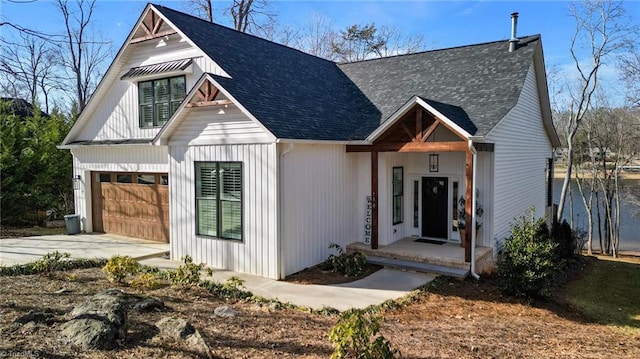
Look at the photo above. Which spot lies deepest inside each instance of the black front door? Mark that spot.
(434, 207)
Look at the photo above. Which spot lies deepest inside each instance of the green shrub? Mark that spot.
(119, 267)
(186, 274)
(34, 268)
(353, 337)
(528, 263)
(566, 239)
(147, 281)
(232, 288)
(50, 263)
(350, 265)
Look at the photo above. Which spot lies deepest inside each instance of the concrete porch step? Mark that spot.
(419, 266)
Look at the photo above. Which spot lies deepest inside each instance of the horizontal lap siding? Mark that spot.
(152, 159)
(318, 203)
(521, 150)
(218, 125)
(116, 115)
(257, 252)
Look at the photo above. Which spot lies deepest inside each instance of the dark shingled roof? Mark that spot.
(293, 94)
(474, 85)
(300, 96)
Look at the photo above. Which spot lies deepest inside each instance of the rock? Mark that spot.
(148, 304)
(62, 291)
(225, 311)
(176, 328)
(36, 317)
(181, 329)
(99, 322)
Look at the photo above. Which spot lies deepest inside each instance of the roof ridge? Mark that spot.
(227, 28)
(437, 50)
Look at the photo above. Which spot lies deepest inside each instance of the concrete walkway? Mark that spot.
(29, 249)
(382, 285)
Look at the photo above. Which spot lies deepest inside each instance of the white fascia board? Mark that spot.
(405, 108)
(167, 130)
(98, 93)
(70, 147)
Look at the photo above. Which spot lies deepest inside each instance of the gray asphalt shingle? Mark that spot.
(300, 96)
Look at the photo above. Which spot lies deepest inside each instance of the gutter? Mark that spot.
(286, 151)
(474, 154)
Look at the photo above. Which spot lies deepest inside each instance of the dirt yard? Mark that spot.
(453, 320)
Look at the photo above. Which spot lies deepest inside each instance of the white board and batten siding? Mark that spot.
(139, 158)
(257, 252)
(116, 114)
(318, 200)
(522, 148)
(218, 125)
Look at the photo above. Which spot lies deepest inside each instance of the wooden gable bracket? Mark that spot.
(151, 25)
(206, 95)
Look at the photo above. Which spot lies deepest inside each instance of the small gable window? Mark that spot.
(158, 99)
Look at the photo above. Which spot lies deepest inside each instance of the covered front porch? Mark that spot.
(423, 169)
(427, 257)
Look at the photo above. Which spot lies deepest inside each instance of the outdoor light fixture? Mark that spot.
(433, 162)
(76, 181)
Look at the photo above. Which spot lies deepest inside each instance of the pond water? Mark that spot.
(629, 218)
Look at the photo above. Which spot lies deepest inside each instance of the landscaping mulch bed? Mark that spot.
(453, 319)
(321, 274)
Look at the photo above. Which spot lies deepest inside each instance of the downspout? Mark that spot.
(280, 208)
(474, 154)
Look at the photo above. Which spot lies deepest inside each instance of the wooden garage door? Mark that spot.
(131, 204)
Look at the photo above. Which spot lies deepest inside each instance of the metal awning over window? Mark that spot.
(161, 68)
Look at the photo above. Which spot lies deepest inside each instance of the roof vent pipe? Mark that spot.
(513, 41)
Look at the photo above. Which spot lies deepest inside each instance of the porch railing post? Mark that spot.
(374, 200)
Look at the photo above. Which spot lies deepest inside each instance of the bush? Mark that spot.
(528, 263)
(349, 265)
(119, 267)
(352, 337)
(566, 240)
(50, 263)
(38, 267)
(147, 281)
(186, 274)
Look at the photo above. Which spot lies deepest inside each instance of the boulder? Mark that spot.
(99, 322)
(225, 311)
(180, 329)
(148, 304)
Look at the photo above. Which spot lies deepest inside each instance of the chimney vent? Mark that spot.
(513, 41)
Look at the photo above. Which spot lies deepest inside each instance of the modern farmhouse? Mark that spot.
(252, 156)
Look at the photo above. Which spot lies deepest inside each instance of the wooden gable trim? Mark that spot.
(416, 141)
(151, 25)
(206, 94)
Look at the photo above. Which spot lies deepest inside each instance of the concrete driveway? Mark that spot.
(29, 249)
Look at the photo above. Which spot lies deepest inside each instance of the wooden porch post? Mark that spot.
(374, 200)
(469, 212)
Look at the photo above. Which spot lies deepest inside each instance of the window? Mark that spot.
(104, 177)
(124, 178)
(159, 99)
(416, 203)
(454, 205)
(146, 179)
(398, 194)
(219, 199)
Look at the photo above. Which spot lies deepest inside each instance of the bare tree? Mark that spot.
(29, 63)
(202, 8)
(601, 29)
(630, 67)
(252, 16)
(356, 43)
(395, 42)
(316, 37)
(82, 53)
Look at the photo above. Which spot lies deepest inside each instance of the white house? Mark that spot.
(254, 157)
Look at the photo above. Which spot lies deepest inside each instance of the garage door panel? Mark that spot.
(133, 209)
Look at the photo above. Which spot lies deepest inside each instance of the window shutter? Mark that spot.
(206, 193)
